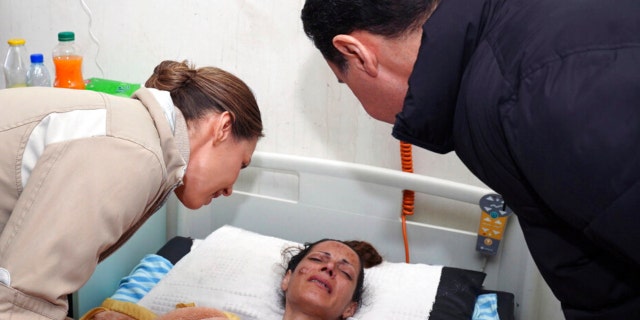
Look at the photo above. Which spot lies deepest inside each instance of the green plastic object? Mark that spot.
(114, 87)
(66, 36)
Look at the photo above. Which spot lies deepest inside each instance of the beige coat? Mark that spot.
(80, 171)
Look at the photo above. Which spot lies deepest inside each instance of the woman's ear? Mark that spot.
(222, 127)
(357, 54)
(350, 310)
(284, 284)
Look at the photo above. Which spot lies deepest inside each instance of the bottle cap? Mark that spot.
(66, 36)
(37, 58)
(16, 42)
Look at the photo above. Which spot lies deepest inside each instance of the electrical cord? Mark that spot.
(408, 196)
(93, 37)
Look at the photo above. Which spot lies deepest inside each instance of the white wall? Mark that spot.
(305, 111)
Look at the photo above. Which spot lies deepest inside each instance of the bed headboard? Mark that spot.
(305, 199)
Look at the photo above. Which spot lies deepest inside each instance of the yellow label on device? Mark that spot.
(492, 227)
(493, 221)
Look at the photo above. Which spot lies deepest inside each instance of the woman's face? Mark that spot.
(215, 160)
(323, 283)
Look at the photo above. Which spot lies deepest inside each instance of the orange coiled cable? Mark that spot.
(408, 196)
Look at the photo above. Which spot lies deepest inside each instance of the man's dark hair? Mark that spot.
(322, 20)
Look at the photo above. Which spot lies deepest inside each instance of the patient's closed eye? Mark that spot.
(344, 266)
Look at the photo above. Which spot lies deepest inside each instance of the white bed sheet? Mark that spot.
(239, 271)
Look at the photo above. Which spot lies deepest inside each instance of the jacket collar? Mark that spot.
(449, 38)
(172, 130)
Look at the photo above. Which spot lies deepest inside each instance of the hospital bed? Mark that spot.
(300, 199)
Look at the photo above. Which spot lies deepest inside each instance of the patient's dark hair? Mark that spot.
(322, 20)
(367, 254)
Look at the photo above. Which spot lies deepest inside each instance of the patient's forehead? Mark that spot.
(337, 250)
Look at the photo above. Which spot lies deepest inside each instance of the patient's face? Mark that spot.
(324, 282)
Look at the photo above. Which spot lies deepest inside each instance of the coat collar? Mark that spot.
(449, 38)
(172, 130)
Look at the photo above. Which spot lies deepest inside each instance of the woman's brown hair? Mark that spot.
(197, 92)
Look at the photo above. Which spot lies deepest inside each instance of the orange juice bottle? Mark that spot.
(68, 62)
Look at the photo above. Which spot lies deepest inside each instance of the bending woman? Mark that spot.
(325, 279)
(81, 171)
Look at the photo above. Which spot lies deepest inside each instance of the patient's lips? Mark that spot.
(321, 283)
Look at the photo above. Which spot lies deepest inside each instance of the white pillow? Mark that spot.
(239, 271)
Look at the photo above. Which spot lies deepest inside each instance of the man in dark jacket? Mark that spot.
(541, 101)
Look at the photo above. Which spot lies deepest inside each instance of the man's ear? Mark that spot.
(284, 284)
(222, 127)
(350, 310)
(357, 54)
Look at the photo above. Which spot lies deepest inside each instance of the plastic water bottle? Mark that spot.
(16, 64)
(68, 62)
(38, 75)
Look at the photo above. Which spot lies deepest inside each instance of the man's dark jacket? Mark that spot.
(541, 101)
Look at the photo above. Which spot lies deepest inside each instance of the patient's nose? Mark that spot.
(329, 269)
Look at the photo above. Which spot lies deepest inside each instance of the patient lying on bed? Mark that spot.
(323, 280)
